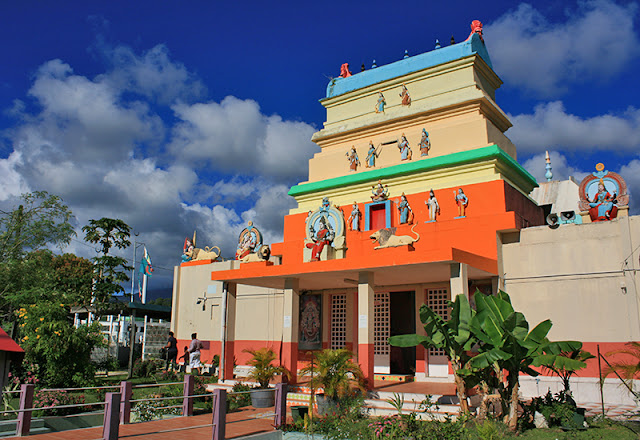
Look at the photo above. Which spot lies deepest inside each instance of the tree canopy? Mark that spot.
(41, 219)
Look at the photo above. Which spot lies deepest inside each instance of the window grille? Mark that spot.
(381, 311)
(438, 301)
(338, 321)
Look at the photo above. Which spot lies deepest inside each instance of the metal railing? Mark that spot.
(117, 405)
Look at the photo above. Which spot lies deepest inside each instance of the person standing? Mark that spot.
(194, 353)
(172, 352)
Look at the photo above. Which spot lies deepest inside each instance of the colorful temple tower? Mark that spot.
(404, 202)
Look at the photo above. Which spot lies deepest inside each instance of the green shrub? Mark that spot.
(235, 401)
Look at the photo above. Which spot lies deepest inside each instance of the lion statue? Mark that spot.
(208, 253)
(263, 254)
(387, 238)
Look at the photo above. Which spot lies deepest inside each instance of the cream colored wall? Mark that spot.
(258, 314)
(573, 275)
(258, 310)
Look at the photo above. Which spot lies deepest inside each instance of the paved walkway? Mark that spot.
(247, 421)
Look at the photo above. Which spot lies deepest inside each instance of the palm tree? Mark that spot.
(263, 369)
(335, 372)
(627, 369)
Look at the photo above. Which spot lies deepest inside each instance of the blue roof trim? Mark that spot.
(474, 45)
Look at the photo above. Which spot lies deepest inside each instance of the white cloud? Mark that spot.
(152, 74)
(550, 126)
(234, 136)
(631, 174)
(560, 168)
(596, 42)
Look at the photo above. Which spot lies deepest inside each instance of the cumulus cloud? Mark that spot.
(550, 126)
(233, 136)
(595, 42)
(631, 174)
(100, 143)
(152, 74)
(560, 167)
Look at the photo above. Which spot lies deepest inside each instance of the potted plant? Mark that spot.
(263, 372)
(337, 374)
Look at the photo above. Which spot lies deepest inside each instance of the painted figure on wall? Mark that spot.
(434, 207)
(425, 143)
(310, 337)
(353, 159)
(354, 218)
(406, 213)
(602, 207)
(344, 71)
(462, 201)
(379, 192)
(405, 149)
(372, 155)
(406, 98)
(381, 103)
(323, 237)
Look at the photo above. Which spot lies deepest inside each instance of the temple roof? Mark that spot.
(471, 46)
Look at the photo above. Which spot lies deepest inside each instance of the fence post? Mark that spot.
(23, 425)
(111, 424)
(219, 413)
(281, 405)
(126, 390)
(187, 402)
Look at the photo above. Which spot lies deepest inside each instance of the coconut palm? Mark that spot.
(628, 369)
(335, 372)
(263, 369)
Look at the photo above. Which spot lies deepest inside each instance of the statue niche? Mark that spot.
(602, 194)
(325, 234)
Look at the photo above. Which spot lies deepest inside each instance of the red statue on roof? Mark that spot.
(344, 71)
(476, 28)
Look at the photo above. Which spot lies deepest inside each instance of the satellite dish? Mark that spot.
(552, 220)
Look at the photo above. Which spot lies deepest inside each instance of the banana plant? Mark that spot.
(508, 347)
(453, 336)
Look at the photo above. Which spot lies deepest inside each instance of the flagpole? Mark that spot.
(144, 301)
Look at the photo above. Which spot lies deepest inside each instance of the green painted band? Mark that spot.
(450, 160)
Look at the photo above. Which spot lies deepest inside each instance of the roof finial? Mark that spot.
(362, 68)
(453, 40)
(406, 54)
(437, 44)
(374, 65)
(548, 175)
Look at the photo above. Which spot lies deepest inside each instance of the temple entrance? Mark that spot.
(402, 322)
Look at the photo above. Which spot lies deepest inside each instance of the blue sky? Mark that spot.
(175, 116)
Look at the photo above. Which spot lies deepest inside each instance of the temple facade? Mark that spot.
(415, 197)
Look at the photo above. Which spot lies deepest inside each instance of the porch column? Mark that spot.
(459, 281)
(228, 330)
(365, 325)
(290, 327)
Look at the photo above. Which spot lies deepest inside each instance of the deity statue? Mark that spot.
(405, 149)
(434, 207)
(602, 207)
(354, 218)
(425, 143)
(379, 192)
(372, 155)
(344, 71)
(187, 250)
(323, 237)
(406, 213)
(404, 94)
(476, 28)
(381, 103)
(353, 159)
(462, 201)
